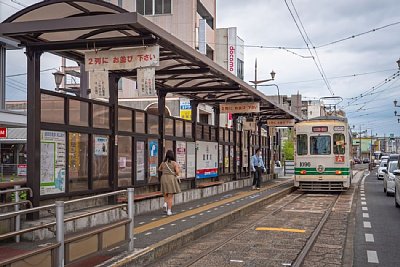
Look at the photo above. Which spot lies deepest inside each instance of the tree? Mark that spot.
(288, 149)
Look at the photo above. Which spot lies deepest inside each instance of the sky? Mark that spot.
(360, 69)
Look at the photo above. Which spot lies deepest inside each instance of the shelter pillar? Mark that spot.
(194, 104)
(161, 125)
(84, 81)
(235, 144)
(33, 124)
(268, 151)
(2, 76)
(113, 87)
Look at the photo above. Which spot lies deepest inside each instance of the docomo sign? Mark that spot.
(123, 59)
(232, 35)
(3, 132)
(231, 59)
(249, 107)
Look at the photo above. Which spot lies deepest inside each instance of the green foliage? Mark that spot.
(288, 149)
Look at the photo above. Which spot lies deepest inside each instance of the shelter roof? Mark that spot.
(71, 27)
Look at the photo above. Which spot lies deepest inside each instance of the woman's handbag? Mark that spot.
(176, 176)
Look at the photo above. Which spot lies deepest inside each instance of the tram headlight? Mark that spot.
(338, 172)
(303, 172)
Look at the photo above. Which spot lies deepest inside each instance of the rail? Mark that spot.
(60, 220)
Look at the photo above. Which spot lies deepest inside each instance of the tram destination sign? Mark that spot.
(244, 107)
(122, 59)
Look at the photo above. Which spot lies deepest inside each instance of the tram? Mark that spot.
(323, 160)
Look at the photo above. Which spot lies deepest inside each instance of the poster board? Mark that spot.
(52, 162)
(181, 157)
(190, 159)
(207, 159)
(140, 171)
(153, 161)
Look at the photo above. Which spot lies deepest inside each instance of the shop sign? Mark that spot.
(146, 81)
(3, 132)
(52, 162)
(245, 107)
(207, 165)
(281, 123)
(99, 84)
(122, 59)
(21, 169)
(185, 109)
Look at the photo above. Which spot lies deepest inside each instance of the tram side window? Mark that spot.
(302, 144)
(338, 143)
(320, 145)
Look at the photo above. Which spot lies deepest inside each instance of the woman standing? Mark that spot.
(169, 179)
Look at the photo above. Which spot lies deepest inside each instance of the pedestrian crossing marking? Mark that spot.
(280, 229)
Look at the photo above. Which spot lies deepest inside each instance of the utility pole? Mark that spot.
(360, 144)
(370, 149)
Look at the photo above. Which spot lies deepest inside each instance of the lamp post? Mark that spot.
(58, 78)
(277, 87)
(256, 82)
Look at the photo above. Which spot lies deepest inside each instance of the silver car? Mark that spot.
(389, 178)
(383, 165)
(397, 188)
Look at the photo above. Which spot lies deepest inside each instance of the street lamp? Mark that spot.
(277, 87)
(398, 63)
(256, 82)
(395, 103)
(58, 78)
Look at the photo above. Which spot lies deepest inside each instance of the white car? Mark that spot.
(397, 188)
(389, 178)
(380, 174)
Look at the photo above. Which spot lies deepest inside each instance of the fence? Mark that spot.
(289, 167)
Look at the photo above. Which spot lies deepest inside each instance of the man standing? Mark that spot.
(257, 167)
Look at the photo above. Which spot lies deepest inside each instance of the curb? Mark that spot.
(158, 250)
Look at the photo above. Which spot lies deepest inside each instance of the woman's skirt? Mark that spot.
(169, 184)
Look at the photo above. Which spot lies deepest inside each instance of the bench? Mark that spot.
(209, 184)
(122, 199)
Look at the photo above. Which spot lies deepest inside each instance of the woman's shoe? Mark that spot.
(169, 212)
(165, 207)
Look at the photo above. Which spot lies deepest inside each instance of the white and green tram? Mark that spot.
(323, 160)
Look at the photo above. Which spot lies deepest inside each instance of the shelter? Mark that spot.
(70, 28)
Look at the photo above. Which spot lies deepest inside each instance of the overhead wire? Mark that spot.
(309, 50)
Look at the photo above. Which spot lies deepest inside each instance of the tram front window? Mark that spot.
(338, 143)
(320, 145)
(302, 144)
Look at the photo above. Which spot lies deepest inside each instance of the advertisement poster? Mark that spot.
(181, 157)
(153, 161)
(226, 157)
(207, 165)
(185, 109)
(52, 162)
(190, 159)
(221, 154)
(21, 169)
(100, 146)
(245, 159)
(140, 161)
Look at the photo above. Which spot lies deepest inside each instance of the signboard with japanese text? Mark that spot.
(21, 169)
(52, 162)
(190, 159)
(181, 157)
(3, 132)
(281, 123)
(98, 84)
(185, 109)
(250, 126)
(146, 81)
(122, 59)
(207, 157)
(140, 171)
(245, 107)
(245, 158)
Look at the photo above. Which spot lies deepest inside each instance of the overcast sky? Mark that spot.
(371, 57)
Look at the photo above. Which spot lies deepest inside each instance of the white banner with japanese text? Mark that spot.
(245, 107)
(281, 123)
(146, 81)
(98, 84)
(122, 59)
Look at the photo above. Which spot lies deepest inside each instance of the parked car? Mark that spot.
(357, 161)
(380, 174)
(389, 178)
(365, 160)
(397, 188)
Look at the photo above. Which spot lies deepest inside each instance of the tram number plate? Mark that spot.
(305, 164)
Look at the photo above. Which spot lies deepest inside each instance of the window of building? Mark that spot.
(338, 143)
(153, 7)
(302, 144)
(240, 69)
(320, 145)
(203, 118)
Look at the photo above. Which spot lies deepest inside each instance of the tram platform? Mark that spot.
(156, 234)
